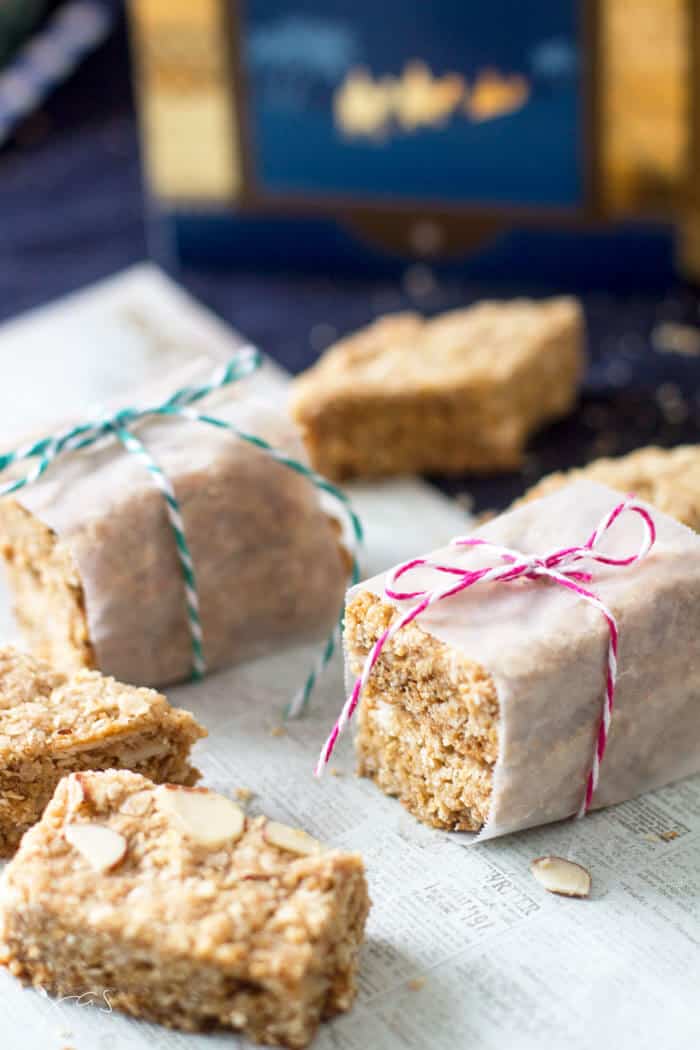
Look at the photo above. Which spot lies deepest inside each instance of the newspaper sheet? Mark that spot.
(463, 948)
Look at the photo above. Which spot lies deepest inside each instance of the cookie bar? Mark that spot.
(190, 913)
(461, 392)
(93, 563)
(52, 724)
(428, 725)
(482, 713)
(667, 478)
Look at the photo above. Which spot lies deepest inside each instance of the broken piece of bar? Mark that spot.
(93, 563)
(460, 392)
(190, 913)
(483, 713)
(52, 724)
(667, 478)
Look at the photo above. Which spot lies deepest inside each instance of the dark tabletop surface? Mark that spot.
(72, 211)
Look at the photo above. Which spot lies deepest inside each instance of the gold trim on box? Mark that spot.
(189, 124)
(689, 233)
(644, 103)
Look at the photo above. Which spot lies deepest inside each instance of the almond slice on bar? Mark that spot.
(100, 846)
(74, 791)
(561, 876)
(206, 818)
(294, 840)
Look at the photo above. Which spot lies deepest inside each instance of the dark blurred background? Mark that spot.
(73, 209)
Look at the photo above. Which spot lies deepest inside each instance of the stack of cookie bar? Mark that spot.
(199, 915)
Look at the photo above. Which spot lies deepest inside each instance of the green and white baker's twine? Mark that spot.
(245, 361)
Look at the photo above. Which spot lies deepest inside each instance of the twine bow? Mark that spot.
(42, 453)
(566, 567)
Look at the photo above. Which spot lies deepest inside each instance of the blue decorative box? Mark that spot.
(355, 136)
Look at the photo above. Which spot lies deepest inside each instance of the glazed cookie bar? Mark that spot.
(52, 724)
(192, 914)
(668, 478)
(460, 392)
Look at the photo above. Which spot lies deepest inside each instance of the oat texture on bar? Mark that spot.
(460, 392)
(669, 479)
(52, 724)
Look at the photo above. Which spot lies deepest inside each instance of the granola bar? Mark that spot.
(482, 713)
(667, 478)
(461, 392)
(428, 725)
(190, 913)
(92, 560)
(52, 724)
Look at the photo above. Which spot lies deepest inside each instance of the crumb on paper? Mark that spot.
(668, 836)
(416, 983)
(243, 794)
(278, 731)
(335, 772)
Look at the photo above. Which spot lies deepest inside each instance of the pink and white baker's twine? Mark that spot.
(560, 566)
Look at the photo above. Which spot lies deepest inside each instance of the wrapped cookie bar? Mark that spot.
(160, 542)
(492, 708)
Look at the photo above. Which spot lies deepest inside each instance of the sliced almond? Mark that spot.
(74, 792)
(100, 846)
(206, 818)
(561, 876)
(138, 804)
(292, 839)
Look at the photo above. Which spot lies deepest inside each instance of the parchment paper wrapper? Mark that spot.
(269, 563)
(546, 651)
